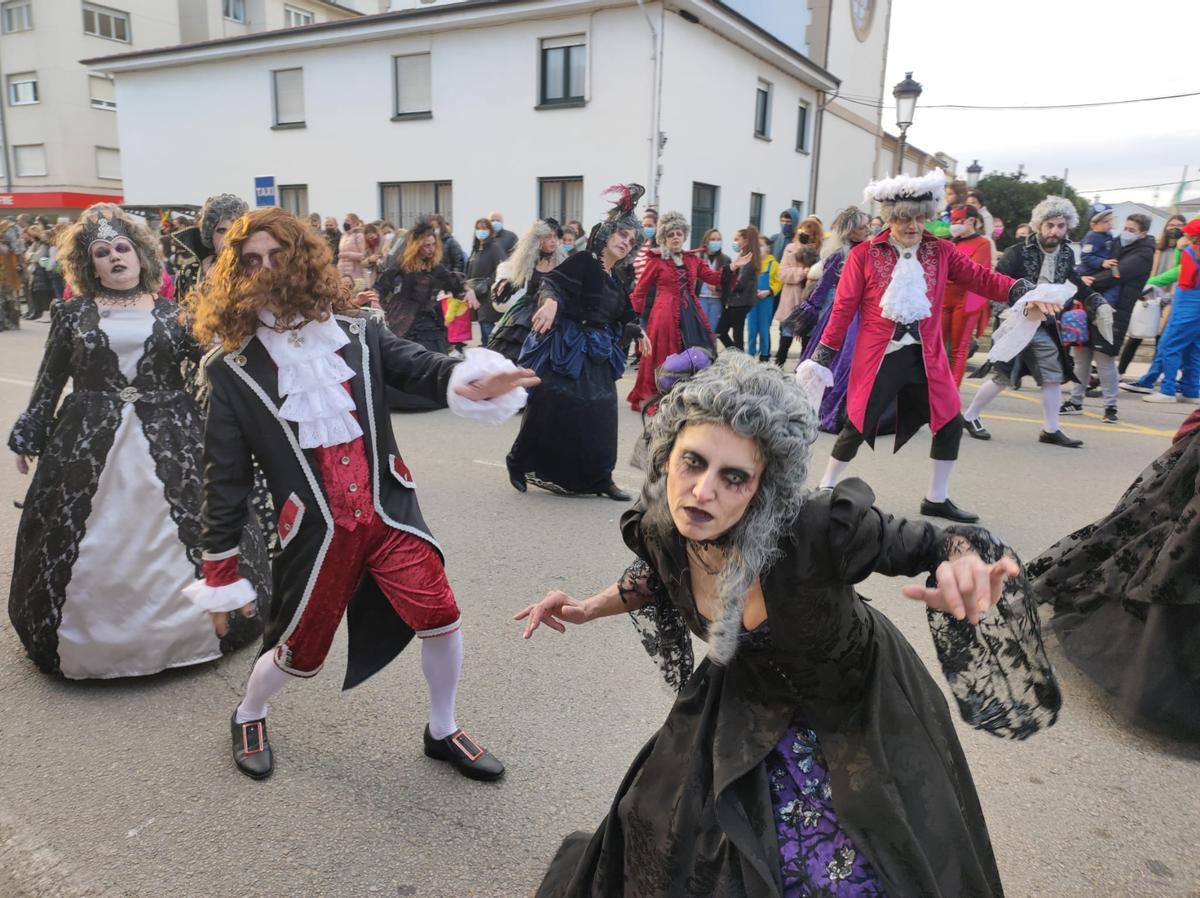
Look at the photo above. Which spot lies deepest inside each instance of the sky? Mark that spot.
(1046, 52)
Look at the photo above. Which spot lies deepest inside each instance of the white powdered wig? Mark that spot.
(931, 186)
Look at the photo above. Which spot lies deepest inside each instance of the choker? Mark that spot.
(125, 297)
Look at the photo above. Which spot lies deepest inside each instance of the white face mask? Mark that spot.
(957, 230)
(1127, 237)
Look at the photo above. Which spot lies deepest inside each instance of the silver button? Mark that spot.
(345, 459)
(358, 512)
(130, 394)
(240, 360)
(354, 487)
(908, 255)
(354, 328)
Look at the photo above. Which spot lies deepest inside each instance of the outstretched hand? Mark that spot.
(556, 607)
(220, 619)
(497, 384)
(23, 463)
(966, 586)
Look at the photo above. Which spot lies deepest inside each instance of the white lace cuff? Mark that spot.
(220, 598)
(477, 364)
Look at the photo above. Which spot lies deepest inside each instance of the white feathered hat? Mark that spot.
(922, 188)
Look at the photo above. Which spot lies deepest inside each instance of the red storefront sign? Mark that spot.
(55, 200)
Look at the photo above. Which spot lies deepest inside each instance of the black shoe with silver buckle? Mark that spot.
(948, 510)
(976, 429)
(251, 750)
(466, 755)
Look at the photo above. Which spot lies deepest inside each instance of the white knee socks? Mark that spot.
(265, 680)
(1051, 403)
(441, 662)
(939, 480)
(985, 394)
(833, 472)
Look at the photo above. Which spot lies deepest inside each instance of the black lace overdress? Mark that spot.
(411, 308)
(694, 815)
(1126, 594)
(74, 443)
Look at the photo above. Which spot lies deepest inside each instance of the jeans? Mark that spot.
(1106, 366)
(485, 332)
(758, 327)
(711, 307)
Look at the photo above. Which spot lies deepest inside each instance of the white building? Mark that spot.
(529, 107)
(58, 120)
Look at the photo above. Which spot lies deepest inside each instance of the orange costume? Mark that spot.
(962, 310)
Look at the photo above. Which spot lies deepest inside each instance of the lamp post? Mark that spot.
(906, 93)
(974, 170)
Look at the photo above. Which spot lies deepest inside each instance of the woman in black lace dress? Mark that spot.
(518, 281)
(1126, 592)
(110, 533)
(811, 753)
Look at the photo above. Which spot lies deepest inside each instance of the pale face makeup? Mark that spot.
(549, 243)
(675, 238)
(907, 231)
(218, 235)
(116, 263)
(261, 251)
(713, 473)
(619, 244)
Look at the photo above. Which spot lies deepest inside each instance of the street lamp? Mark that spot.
(974, 170)
(906, 93)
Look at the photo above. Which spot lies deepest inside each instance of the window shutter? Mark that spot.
(108, 163)
(289, 96)
(103, 90)
(414, 87)
(30, 160)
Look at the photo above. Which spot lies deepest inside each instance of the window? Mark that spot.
(30, 160)
(404, 203)
(799, 206)
(564, 64)
(802, 128)
(762, 110)
(294, 198)
(235, 10)
(294, 18)
(704, 208)
(17, 15)
(103, 92)
(413, 86)
(108, 163)
(560, 199)
(101, 21)
(22, 89)
(756, 209)
(289, 98)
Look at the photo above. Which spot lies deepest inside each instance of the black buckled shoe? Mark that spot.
(516, 478)
(615, 493)
(949, 511)
(976, 430)
(1058, 438)
(251, 750)
(466, 755)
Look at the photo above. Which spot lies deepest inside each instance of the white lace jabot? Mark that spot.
(311, 374)
(905, 300)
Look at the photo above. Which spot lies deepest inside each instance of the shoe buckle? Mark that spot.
(258, 741)
(460, 741)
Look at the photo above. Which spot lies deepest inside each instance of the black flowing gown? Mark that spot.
(1126, 593)
(694, 815)
(409, 300)
(568, 437)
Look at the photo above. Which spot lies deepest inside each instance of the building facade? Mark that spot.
(58, 121)
(528, 107)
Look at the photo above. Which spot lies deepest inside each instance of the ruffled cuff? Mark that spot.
(478, 364)
(229, 597)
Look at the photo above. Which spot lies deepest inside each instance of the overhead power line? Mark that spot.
(876, 105)
(1137, 186)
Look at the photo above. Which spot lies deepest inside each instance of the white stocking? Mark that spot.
(939, 480)
(265, 680)
(985, 394)
(441, 662)
(1051, 403)
(833, 472)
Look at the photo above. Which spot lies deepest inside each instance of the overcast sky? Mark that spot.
(1020, 52)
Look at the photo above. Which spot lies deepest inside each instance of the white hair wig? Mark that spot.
(1054, 207)
(518, 267)
(671, 221)
(908, 196)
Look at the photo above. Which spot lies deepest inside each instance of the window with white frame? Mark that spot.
(29, 160)
(103, 92)
(564, 69)
(560, 199)
(294, 198)
(101, 21)
(402, 203)
(802, 128)
(413, 86)
(16, 15)
(23, 89)
(294, 18)
(108, 163)
(234, 10)
(288, 87)
(762, 110)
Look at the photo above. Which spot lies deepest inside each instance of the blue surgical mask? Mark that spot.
(497, 226)
(714, 247)
(648, 232)
(735, 248)
(482, 234)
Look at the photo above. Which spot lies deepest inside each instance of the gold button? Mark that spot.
(358, 512)
(354, 487)
(345, 459)
(287, 526)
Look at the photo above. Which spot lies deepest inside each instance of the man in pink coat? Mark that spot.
(896, 283)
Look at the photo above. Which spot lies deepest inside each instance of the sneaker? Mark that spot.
(1071, 408)
(1189, 400)
(976, 429)
(1110, 414)
(1159, 397)
(1135, 387)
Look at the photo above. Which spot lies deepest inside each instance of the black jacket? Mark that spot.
(1134, 262)
(244, 425)
(481, 272)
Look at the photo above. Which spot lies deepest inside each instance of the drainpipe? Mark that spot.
(656, 37)
(8, 187)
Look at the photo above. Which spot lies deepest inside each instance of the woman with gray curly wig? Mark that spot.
(811, 752)
(196, 248)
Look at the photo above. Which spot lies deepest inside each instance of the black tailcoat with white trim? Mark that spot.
(244, 423)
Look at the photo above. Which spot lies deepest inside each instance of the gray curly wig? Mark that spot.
(671, 221)
(223, 205)
(621, 217)
(757, 401)
(1055, 207)
(893, 211)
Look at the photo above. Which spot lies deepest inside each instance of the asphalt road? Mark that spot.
(125, 788)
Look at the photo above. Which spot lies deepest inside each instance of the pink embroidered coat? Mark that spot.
(865, 277)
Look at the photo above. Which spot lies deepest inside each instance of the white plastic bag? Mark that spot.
(1145, 319)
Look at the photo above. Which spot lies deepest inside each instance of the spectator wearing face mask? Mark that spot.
(453, 256)
(962, 309)
(506, 239)
(352, 249)
(579, 241)
(332, 236)
(1166, 253)
(486, 256)
(710, 298)
(788, 219)
(758, 319)
(731, 329)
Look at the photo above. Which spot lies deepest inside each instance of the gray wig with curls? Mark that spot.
(222, 205)
(1054, 207)
(757, 401)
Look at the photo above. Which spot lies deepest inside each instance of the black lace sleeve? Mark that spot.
(32, 431)
(659, 623)
(998, 671)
